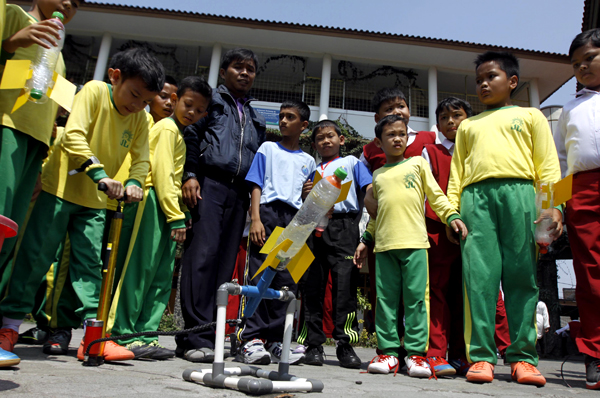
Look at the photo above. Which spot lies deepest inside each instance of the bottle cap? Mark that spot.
(36, 94)
(340, 173)
(59, 15)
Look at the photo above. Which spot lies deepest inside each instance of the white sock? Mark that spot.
(9, 323)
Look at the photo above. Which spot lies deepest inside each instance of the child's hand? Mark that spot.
(191, 193)
(457, 225)
(37, 189)
(178, 235)
(330, 213)
(257, 233)
(371, 204)
(557, 226)
(188, 224)
(33, 34)
(308, 185)
(114, 188)
(360, 255)
(134, 193)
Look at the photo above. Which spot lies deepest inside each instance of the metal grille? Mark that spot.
(80, 58)
(418, 102)
(282, 77)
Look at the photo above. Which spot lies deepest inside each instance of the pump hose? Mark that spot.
(199, 328)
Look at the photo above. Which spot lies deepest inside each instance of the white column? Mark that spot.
(534, 94)
(432, 94)
(325, 86)
(215, 65)
(102, 63)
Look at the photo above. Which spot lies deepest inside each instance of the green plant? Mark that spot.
(362, 301)
(366, 339)
(168, 323)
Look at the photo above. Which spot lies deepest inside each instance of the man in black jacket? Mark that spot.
(220, 149)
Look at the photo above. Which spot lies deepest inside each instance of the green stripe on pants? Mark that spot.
(500, 247)
(402, 273)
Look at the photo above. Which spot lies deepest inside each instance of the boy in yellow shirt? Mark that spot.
(158, 222)
(494, 190)
(400, 187)
(105, 125)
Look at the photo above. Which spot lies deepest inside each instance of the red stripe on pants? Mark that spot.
(502, 335)
(583, 223)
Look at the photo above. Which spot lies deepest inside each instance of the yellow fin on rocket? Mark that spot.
(300, 263)
(271, 260)
(563, 190)
(16, 73)
(63, 92)
(270, 243)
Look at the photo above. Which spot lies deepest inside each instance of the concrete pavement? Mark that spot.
(39, 375)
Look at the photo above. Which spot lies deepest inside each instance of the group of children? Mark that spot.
(450, 222)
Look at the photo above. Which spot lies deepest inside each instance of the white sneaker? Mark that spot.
(276, 349)
(383, 364)
(417, 366)
(253, 352)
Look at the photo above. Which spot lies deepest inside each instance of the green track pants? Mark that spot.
(52, 218)
(402, 276)
(500, 247)
(145, 270)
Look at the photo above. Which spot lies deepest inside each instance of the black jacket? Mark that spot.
(217, 145)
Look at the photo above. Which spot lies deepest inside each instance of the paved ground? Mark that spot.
(39, 375)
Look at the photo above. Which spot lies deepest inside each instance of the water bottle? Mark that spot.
(44, 65)
(321, 225)
(320, 199)
(544, 202)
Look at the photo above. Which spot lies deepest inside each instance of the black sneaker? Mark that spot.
(314, 356)
(141, 350)
(161, 352)
(36, 336)
(592, 373)
(347, 357)
(58, 342)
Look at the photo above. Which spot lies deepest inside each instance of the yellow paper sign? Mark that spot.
(563, 190)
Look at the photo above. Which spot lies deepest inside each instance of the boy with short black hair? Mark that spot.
(334, 251)
(277, 176)
(219, 151)
(144, 286)
(576, 139)
(105, 124)
(496, 197)
(445, 266)
(27, 132)
(402, 270)
(162, 105)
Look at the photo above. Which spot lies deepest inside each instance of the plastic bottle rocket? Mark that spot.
(319, 201)
(321, 225)
(544, 202)
(44, 65)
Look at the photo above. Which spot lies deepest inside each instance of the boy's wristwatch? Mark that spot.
(187, 175)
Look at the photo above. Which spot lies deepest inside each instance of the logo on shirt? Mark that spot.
(410, 180)
(305, 170)
(126, 138)
(517, 125)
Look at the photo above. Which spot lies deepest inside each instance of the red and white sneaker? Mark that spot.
(417, 366)
(383, 364)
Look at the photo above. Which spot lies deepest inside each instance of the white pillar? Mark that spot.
(215, 65)
(534, 94)
(102, 63)
(432, 94)
(325, 86)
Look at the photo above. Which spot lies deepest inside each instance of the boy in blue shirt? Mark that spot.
(334, 251)
(277, 175)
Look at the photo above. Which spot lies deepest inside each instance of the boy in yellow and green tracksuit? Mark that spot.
(103, 127)
(152, 227)
(498, 156)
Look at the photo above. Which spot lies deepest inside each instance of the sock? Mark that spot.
(13, 324)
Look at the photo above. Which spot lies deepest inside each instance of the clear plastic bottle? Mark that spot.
(44, 65)
(317, 204)
(321, 225)
(544, 202)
